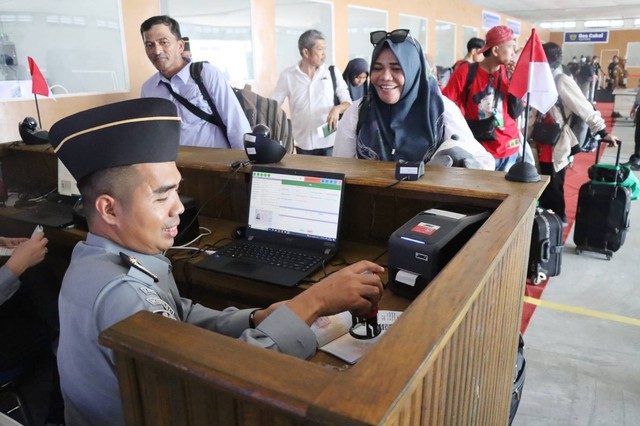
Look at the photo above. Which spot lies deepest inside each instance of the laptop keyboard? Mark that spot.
(283, 258)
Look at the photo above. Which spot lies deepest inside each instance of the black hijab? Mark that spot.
(355, 67)
(411, 129)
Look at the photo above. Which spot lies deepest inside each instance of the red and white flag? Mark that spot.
(533, 74)
(39, 85)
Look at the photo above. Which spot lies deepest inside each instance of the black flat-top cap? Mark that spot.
(145, 130)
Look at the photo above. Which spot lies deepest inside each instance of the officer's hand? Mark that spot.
(356, 288)
(11, 242)
(29, 253)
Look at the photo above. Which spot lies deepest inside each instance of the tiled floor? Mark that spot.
(583, 341)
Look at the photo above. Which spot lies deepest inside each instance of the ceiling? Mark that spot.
(536, 11)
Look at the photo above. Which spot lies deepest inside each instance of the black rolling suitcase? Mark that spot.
(519, 375)
(602, 217)
(545, 255)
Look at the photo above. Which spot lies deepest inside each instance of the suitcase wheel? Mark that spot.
(578, 251)
(538, 279)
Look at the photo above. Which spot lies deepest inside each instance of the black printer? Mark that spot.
(420, 248)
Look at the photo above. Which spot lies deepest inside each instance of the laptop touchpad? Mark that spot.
(242, 266)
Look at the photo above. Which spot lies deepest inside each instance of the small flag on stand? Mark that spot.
(533, 75)
(38, 83)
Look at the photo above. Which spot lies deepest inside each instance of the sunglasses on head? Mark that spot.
(396, 36)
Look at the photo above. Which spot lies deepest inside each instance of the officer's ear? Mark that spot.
(106, 209)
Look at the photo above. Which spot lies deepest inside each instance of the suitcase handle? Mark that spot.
(545, 250)
(617, 154)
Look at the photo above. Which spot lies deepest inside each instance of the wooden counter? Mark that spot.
(448, 360)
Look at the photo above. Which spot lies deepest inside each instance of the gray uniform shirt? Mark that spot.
(99, 289)
(9, 284)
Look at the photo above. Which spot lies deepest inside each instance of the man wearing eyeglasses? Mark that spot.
(309, 86)
(500, 135)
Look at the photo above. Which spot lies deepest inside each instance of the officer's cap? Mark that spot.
(145, 130)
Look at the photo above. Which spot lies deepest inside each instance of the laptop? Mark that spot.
(56, 213)
(292, 228)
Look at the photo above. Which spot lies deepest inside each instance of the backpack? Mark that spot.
(258, 110)
(515, 106)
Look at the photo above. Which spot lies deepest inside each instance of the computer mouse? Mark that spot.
(239, 232)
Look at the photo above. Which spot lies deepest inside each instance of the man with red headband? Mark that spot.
(480, 91)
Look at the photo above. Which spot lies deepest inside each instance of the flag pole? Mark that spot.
(523, 171)
(37, 110)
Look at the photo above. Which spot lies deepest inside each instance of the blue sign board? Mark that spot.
(586, 36)
(489, 20)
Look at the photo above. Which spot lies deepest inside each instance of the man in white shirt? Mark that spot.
(310, 90)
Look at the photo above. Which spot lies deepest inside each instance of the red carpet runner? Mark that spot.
(575, 177)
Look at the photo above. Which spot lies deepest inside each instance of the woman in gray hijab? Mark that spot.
(403, 115)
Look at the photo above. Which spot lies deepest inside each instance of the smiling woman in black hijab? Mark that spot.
(403, 115)
(356, 75)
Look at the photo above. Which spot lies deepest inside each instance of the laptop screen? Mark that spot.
(296, 202)
(66, 183)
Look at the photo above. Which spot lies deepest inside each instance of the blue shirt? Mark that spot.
(195, 131)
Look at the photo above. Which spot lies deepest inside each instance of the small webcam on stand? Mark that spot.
(30, 133)
(260, 148)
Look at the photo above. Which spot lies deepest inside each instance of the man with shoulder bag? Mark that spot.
(554, 141)
(481, 92)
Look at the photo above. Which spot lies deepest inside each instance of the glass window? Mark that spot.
(445, 43)
(418, 28)
(362, 21)
(219, 32)
(633, 54)
(83, 52)
(467, 34)
(293, 17)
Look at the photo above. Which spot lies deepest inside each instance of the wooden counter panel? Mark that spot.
(447, 360)
(462, 329)
(224, 398)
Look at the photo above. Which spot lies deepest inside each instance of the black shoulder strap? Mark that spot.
(471, 75)
(559, 101)
(191, 107)
(332, 71)
(195, 70)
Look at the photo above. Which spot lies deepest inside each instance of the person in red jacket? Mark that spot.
(490, 80)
